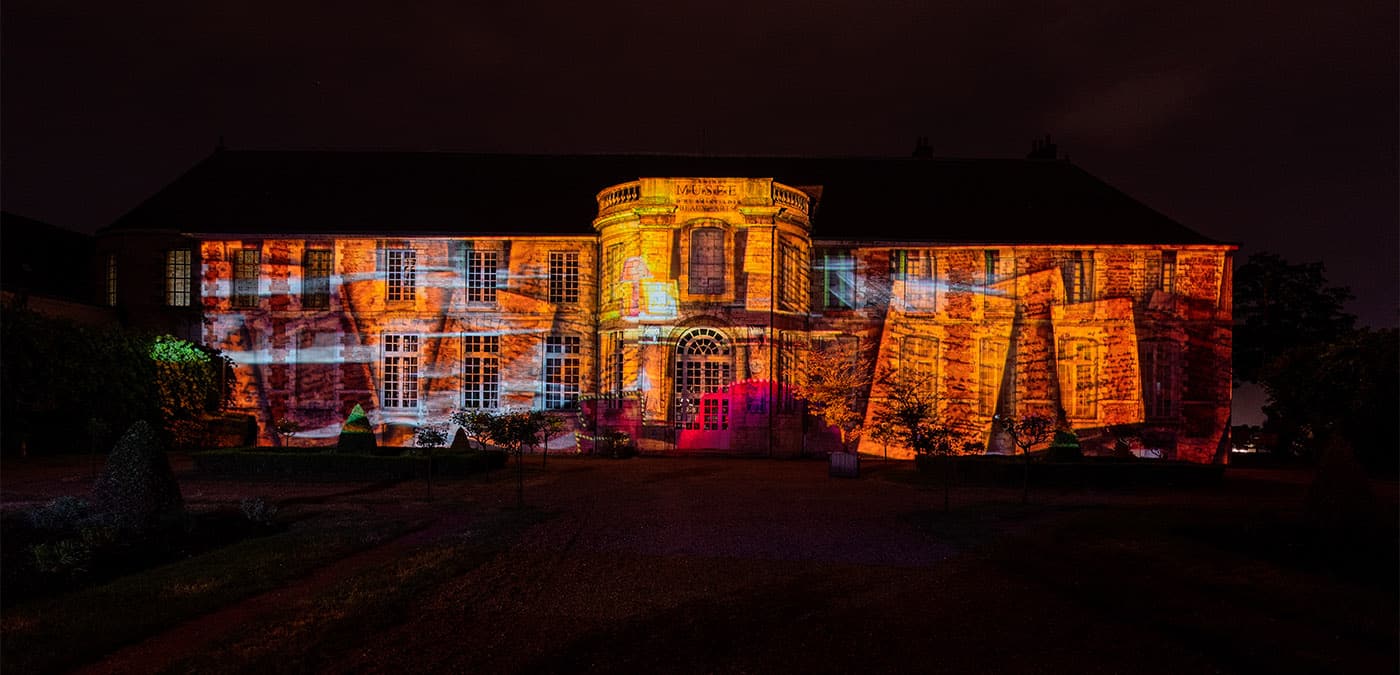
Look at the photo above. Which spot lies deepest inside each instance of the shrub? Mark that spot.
(61, 514)
(356, 435)
(65, 557)
(258, 511)
(137, 489)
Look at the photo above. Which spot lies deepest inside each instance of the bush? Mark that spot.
(258, 511)
(65, 557)
(60, 515)
(137, 489)
(356, 435)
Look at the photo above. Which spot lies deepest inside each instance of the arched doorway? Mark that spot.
(704, 371)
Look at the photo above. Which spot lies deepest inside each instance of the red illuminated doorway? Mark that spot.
(704, 370)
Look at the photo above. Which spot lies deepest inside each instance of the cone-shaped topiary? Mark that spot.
(137, 489)
(1065, 447)
(356, 435)
(460, 441)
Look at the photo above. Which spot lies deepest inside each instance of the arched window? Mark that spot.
(704, 368)
(707, 260)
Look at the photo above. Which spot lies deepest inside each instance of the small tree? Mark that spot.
(1026, 432)
(476, 424)
(909, 414)
(287, 429)
(426, 438)
(836, 377)
(516, 431)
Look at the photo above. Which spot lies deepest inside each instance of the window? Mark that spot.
(1167, 279)
(996, 267)
(612, 370)
(919, 357)
(481, 371)
(707, 260)
(838, 280)
(316, 279)
(561, 371)
(612, 273)
(400, 371)
(703, 367)
(111, 286)
(247, 264)
(481, 275)
(1159, 364)
(177, 278)
(401, 274)
(792, 282)
(918, 271)
(563, 276)
(990, 363)
(1077, 377)
(1078, 271)
(315, 368)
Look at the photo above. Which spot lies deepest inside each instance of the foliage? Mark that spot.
(60, 514)
(356, 435)
(430, 436)
(136, 488)
(258, 511)
(909, 414)
(287, 428)
(50, 368)
(1279, 306)
(517, 430)
(1344, 388)
(1027, 431)
(476, 424)
(617, 444)
(836, 376)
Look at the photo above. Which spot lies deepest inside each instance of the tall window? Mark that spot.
(561, 371)
(1159, 364)
(177, 277)
(1167, 279)
(563, 276)
(919, 272)
(481, 371)
(612, 369)
(703, 367)
(612, 273)
(400, 371)
(481, 275)
(247, 264)
(111, 286)
(990, 363)
(316, 279)
(1078, 362)
(1078, 271)
(707, 260)
(919, 357)
(792, 282)
(838, 280)
(401, 274)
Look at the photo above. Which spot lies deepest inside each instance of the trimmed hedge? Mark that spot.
(1098, 472)
(323, 466)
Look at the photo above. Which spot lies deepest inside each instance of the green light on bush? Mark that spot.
(170, 349)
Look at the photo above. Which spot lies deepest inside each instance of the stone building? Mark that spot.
(676, 297)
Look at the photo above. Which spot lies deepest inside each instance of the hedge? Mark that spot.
(1098, 472)
(324, 466)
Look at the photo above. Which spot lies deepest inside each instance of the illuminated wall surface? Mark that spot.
(685, 318)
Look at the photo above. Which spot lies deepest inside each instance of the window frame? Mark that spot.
(404, 366)
(179, 277)
(481, 269)
(832, 271)
(563, 277)
(316, 287)
(706, 271)
(400, 275)
(247, 277)
(563, 373)
(481, 371)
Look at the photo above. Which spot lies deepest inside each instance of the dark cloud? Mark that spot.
(1268, 123)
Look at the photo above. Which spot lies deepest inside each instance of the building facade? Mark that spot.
(682, 308)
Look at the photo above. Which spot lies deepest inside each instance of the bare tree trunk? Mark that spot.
(947, 478)
(1026, 476)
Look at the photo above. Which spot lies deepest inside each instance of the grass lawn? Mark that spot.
(57, 633)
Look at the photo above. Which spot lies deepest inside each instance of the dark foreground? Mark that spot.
(677, 565)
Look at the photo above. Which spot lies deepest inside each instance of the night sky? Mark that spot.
(1252, 122)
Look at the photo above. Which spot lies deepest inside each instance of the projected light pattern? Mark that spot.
(685, 322)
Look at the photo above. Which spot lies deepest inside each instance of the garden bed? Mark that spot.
(330, 466)
(1095, 472)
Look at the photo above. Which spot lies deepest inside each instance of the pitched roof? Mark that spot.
(934, 200)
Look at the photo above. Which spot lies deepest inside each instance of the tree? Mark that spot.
(426, 438)
(1026, 432)
(836, 378)
(1280, 305)
(475, 423)
(515, 431)
(909, 414)
(1343, 389)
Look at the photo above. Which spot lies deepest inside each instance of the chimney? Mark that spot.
(922, 150)
(1043, 149)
